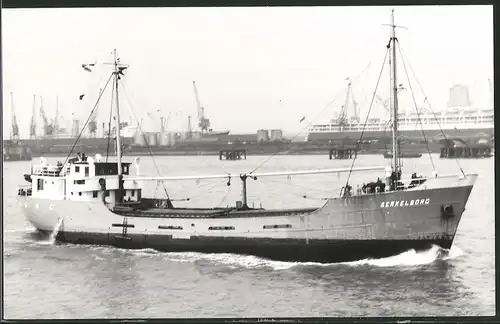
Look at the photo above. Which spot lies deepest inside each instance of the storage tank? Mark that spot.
(152, 139)
(262, 136)
(164, 139)
(276, 135)
(172, 137)
(183, 136)
(139, 139)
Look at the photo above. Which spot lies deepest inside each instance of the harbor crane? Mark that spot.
(55, 121)
(343, 112)
(203, 122)
(33, 120)
(164, 122)
(93, 121)
(48, 128)
(15, 126)
(190, 128)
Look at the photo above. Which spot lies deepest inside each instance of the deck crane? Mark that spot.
(15, 126)
(33, 120)
(203, 122)
(48, 128)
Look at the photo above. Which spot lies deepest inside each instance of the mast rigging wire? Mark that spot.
(145, 140)
(368, 115)
(307, 125)
(110, 120)
(88, 119)
(416, 108)
(428, 102)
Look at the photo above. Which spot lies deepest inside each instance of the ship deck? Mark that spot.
(209, 212)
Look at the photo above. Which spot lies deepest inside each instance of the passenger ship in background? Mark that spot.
(460, 120)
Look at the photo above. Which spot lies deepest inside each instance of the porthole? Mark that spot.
(79, 194)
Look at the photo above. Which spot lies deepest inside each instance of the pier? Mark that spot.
(342, 153)
(233, 154)
(473, 152)
(458, 148)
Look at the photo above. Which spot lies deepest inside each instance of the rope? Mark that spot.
(368, 115)
(225, 196)
(429, 104)
(416, 109)
(86, 122)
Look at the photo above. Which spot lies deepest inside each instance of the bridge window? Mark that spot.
(219, 228)
(39, 184)
(95, 194)
(277, 226)
(77, 169)
(132, 193)
(86, 171)
(79, 182)
(106, 193)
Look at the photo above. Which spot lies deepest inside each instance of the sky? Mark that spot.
(255, 68)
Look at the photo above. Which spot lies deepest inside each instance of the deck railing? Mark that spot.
(48, 170)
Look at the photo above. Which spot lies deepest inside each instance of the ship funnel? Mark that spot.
(459, 96)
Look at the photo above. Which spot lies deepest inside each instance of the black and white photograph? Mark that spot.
(248, 162)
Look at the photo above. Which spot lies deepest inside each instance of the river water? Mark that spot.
(46, 279)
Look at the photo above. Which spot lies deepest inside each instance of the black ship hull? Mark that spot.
(287, 250)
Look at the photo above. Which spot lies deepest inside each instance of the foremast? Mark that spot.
(118, 130)
(117, 73)
(394, 108)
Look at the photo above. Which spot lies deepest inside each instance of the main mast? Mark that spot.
(118, 137)
(395, 136)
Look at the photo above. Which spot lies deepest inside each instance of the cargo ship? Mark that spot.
(88, 201)
(459, 121)
(15, 151)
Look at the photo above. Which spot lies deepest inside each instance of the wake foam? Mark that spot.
(412, 258)
(408, 258)
(51, 240)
